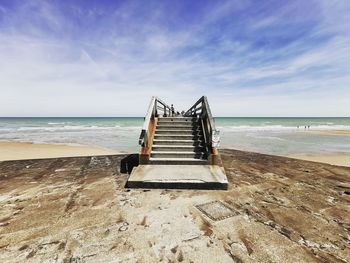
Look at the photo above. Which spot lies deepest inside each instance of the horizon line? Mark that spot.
(8, 117)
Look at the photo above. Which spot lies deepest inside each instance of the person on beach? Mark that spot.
(172, 110)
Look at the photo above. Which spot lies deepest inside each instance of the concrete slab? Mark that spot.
(178, 177)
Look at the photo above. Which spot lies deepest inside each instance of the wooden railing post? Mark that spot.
(148, 129)
(208, 127)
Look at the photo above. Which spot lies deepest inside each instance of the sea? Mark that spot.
(280, 136)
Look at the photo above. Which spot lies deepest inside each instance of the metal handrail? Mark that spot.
(202, 110)
(155, 105)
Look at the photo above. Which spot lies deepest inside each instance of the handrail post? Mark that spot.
(208, 126)
(148, 128)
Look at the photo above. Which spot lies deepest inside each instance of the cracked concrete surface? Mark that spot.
(77, 210)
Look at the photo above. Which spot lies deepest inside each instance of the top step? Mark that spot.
(177, 119)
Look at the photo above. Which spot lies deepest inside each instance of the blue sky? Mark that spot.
(107, 58)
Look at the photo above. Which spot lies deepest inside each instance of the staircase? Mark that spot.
(178, 140)
(178, 152)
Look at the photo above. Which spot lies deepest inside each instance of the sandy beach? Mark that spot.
(342, 159)
(327, 132)
(26, 150)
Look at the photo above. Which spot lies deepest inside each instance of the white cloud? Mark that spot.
(43, 75)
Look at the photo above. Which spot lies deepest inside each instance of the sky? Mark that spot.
(107, 58)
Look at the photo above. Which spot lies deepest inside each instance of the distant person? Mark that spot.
(308, 127)
(305, 127)
(172, 110)
(183, 113)
(298, 126)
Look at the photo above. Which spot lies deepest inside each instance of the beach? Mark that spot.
(342, 159)
(63, 198)
(174, 131)
(24, 150)
(327, 132)
(276, 209)
(334, 158)
(327, 140)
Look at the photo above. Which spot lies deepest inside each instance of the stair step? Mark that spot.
(178, 123)
(175, 122)
(173, 161)
(189, 125)
(161, 154)
(177, 136)
(184, 132)
(188, 148)
(177, 127)
(177, 119)
(177, 142)
(211, 177)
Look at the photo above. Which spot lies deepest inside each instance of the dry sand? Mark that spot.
(342, 159)
(330, 158)
(26, 150)
(276, 209)
(327, 132)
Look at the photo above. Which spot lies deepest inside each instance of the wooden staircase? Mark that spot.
(178, 140)
(178, 152)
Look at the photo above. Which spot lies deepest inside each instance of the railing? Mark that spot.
(156, 105)
(202, 110)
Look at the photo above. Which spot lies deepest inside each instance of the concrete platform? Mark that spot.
(211, 177)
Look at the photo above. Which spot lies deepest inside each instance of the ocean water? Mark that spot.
(266, 135)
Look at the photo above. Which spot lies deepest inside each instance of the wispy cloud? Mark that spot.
(257, 59)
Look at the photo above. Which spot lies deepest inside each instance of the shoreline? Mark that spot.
(11, 151)
(325, 132)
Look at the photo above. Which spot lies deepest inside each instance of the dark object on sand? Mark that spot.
(129, 162)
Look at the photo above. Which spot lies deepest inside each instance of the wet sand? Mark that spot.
(26, 150)
(276, 209)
